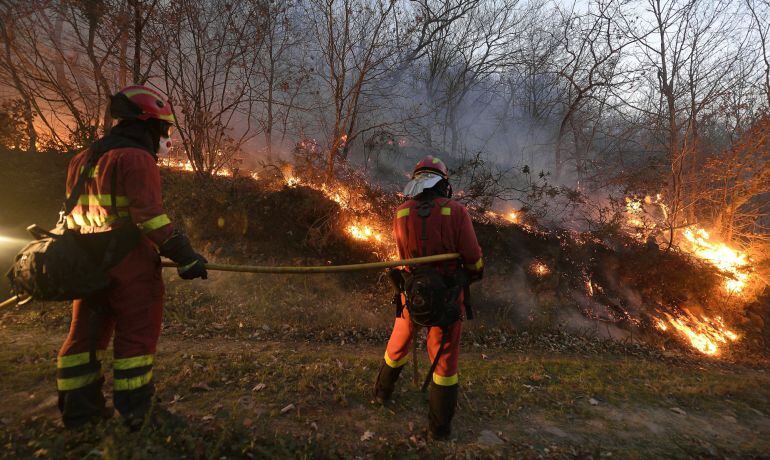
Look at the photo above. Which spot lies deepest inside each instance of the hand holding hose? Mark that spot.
(190, 264)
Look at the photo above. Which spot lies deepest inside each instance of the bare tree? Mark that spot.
(354, 44)
(209, 58)
(760, 12)
(8, 64)
(281, 72)
(590, 62)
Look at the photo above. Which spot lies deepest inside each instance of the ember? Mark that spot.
(540, 269)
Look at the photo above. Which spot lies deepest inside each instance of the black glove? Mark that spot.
(191, 264)
(195, 269)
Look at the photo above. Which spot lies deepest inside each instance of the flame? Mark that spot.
(364, 232)
(512, 216)
(704, 334)
(721, 256)
(540, 269)
(185, 165)
(292, 181)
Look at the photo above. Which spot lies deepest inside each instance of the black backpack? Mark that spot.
(432, 298)
(57, 266)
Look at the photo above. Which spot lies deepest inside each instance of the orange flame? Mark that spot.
(540, 269)
(704, 334)
(721, 256)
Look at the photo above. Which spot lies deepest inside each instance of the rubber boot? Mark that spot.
(134, 405)
(386, 383)
(442, 401)
(84, 405)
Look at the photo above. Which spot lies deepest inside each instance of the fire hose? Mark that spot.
(294, 270)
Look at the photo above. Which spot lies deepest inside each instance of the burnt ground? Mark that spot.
(275, 366)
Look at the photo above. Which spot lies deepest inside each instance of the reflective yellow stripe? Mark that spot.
(445, 381)
(132, 383)
(402, 213)
(155, 223)
(395, 364)
(446, 211)
(103, 200)
(73, 360)
(478, 265)
(74, 383)
(135, 361)
(77, 219)
(169, 118)
(71, 223)
(93, 172)
(77, 359)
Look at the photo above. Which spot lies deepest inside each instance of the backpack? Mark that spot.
(57, 266)
(432, 298)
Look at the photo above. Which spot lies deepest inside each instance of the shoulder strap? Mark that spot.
(71, 200)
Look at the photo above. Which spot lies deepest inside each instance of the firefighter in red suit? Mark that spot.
(122, 224)
(448, 229)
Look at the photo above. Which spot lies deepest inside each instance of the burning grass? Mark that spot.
(290, 215)
(617, 279)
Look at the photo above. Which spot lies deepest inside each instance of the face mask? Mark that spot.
(164, 145)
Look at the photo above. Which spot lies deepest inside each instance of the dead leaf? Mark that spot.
(40, 453)
(247, 422)
(201, 386)
(367, 435)
(288, 408)
(259, 387)
(679, 411)
(207, 418)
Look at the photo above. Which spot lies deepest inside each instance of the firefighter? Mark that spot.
(122, 224)
(446, 229)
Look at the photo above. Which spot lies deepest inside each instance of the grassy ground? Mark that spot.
(257, 394)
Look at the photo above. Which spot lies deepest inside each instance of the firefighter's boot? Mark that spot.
(442, 401)
(386, 383)
(84, 405)
(135, 405)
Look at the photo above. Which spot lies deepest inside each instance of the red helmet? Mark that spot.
(431, 164)
(143, 104)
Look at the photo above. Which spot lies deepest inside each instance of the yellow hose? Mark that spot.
(9, 302)
(300, 270)
(326, 268)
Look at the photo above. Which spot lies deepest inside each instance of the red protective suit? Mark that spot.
(131, 308)
(448, 229)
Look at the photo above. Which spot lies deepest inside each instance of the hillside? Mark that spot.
(283, 366)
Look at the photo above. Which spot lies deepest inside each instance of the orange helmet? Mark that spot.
(139, 102)
(431, 164)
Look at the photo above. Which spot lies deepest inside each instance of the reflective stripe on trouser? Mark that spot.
(78, 370)
(134, 304)
(397, 351)
(133, 373)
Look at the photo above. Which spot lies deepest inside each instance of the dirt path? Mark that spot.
(297, 398)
